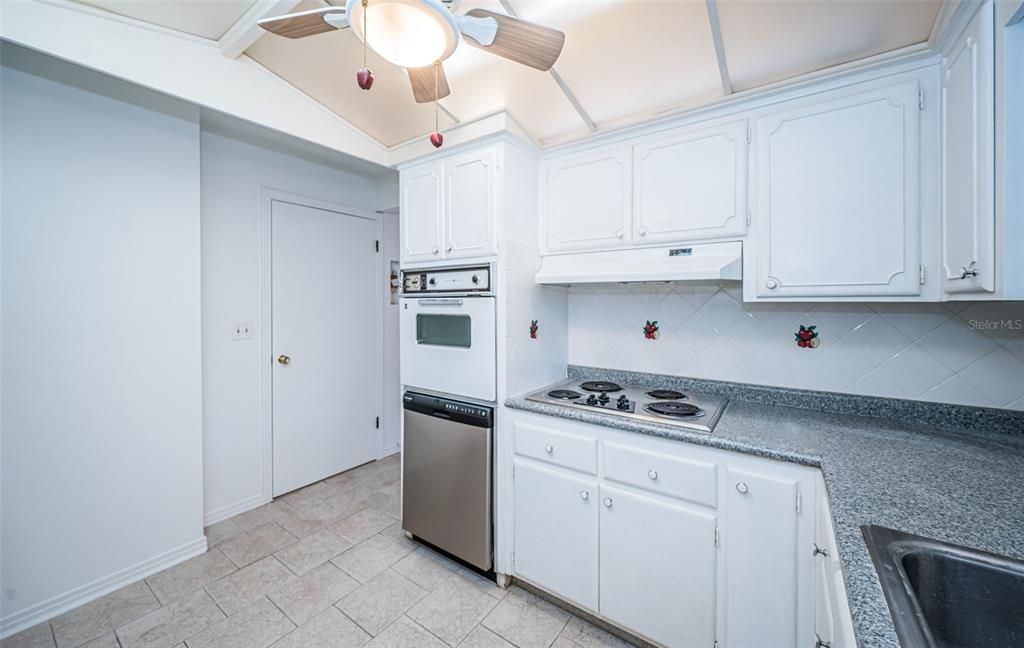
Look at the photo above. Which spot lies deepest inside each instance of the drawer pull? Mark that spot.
(742, 488)
(608, 502)
(584, 495)
(653, 474)
(549, 448)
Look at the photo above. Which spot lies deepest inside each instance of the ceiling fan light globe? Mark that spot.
(408, 33)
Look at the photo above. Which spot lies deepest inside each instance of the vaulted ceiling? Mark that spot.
(623, 61)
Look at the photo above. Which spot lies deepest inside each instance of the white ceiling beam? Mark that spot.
(245, 31)
(716, 37)
(562, 85)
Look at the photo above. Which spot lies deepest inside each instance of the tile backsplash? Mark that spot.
(969, 353)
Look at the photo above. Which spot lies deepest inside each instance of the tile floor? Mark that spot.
(326, 566)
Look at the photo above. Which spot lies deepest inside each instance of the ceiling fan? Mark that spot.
(419, 34)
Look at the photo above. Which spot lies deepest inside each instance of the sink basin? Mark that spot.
(945, 596)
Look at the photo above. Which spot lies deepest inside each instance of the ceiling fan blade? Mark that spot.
(306, 23)
(422, 80)
(520, 40)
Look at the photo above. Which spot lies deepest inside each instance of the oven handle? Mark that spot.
(441, 302)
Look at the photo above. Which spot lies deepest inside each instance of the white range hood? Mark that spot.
(703, 262)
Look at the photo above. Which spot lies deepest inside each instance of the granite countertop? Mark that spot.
(942, 483)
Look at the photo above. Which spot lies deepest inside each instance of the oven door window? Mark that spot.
(435, 329)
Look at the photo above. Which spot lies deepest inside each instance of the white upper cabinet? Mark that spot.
(422, 207)
(471, 205)
(586, 203)
(838, 195)
(968, 159)
(450, 206)
(658, 568)
(691, 184)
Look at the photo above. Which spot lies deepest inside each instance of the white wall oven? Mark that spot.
(449, 331)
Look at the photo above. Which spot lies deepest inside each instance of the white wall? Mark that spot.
(102, 428)
(931, 352)
(233, 173)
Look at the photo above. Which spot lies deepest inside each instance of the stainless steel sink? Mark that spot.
(944, 596)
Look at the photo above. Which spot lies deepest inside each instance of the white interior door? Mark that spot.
(326, 323)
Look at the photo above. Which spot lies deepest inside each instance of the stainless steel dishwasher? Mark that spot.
(446, 475)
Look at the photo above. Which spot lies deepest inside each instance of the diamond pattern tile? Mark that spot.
(964, 353)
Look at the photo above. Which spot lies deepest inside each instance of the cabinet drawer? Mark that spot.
(559, 448)
(685, 479)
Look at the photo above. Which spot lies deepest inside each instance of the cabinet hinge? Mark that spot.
(920, 275)
(376, 246)
(377, 423)
(748, 215)
(799, 502)
(920, 99)
(718, 539)
(750, 135)
(716, 644)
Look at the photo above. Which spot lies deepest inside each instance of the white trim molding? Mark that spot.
(50, 608)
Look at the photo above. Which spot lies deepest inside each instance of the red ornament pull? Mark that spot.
(436, 138)
(364, 78)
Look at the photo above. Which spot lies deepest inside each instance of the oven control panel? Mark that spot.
(476, 279)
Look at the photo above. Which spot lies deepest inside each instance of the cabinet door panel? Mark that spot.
(691, 185)
(422, 200)
(968, 161)
(658, 568)
(763, 575)
(471, 204)
(587, 201)
(556, 522)
(837, 196)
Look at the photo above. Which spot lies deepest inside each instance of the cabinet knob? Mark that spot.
(618, 233)
(818, 551)
(448, 249)
(771, 284)
(435, 251)
(549, 449)
(643, 231)
(608, 502)
(584, 495)
(742, 488)
(283, 359)
(653, 474)
(969, 270)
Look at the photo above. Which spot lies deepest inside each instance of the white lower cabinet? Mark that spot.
(768, 560)
(556, 516)
(682, 545)
(658, 568)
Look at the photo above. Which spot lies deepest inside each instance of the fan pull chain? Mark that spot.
(436, 138)
(364, 77)
(366, 4)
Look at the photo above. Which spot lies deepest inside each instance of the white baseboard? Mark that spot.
(391, 450)
(231, 510)
(71, 599)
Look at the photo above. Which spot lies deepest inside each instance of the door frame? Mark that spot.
(268, 196)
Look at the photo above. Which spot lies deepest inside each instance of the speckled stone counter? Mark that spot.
(964, 488)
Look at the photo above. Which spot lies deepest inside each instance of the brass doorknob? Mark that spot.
(283, 359)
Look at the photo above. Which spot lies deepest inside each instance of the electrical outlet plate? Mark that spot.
(241, 331)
